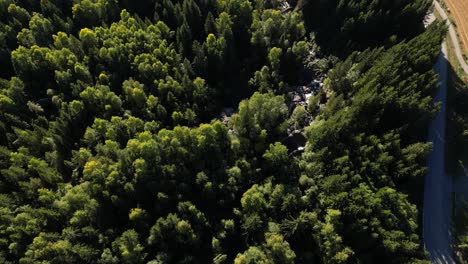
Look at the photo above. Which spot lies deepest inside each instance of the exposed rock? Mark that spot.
(226, 114)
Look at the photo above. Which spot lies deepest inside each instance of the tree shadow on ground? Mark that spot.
(457, 125)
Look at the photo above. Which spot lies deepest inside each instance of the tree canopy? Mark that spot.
(112, 149)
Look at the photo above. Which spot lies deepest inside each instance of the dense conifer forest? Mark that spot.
(114, 148)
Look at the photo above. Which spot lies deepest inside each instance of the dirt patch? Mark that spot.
(459, 11)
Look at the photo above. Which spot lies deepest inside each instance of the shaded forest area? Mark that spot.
(111, 151)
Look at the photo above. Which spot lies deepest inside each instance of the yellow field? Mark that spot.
(459, 11)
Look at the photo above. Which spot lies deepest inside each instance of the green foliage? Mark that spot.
(347, 25)
(260, 119)
(276, 250)
(110, 151)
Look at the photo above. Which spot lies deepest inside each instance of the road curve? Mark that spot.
(453, 36)
(438, 186)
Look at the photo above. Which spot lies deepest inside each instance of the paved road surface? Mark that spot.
(453, 36)
(438, 186)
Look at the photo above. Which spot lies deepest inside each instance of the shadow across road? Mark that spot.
(438, 186)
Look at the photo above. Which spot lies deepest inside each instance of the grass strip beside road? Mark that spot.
(458, 10)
